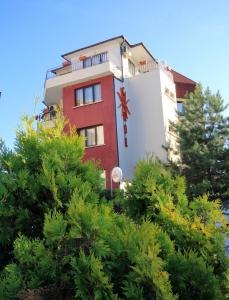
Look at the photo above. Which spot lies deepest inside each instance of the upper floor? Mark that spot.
(115, 57)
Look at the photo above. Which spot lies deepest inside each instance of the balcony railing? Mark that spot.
(149, 66)
(83, 63)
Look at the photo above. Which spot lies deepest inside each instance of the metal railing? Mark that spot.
(78, 65)
(147, 66)
(152, 65)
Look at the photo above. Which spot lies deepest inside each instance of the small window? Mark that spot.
(79, 97)
(87, 95)
(91, 136)
(103, 57)
(94, 136)
(87, 62)
(99, 58)
(131, 67)
(180, 107)
(96, 59)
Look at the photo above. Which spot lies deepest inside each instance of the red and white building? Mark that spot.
(121, 99)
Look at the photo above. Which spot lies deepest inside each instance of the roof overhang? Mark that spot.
(136, 48)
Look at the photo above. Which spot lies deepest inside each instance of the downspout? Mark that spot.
(121, 59)
(117, 147)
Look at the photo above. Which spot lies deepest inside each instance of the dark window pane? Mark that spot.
(87, 62)
(96, 59)
(103, 56)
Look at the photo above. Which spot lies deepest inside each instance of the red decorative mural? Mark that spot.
(125, 112)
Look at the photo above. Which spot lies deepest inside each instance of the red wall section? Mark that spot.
(183, 84)
(183, 88)
(100, 113)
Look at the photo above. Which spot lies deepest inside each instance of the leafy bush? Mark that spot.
(157, 195)
(68, 243)
(41, 174)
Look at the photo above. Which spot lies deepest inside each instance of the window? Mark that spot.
(88, 94)
(94, 136)
(87, 62)
(180, 107)
(99, 58)
(95, 60)
(131, 67)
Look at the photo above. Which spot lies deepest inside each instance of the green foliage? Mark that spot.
(10, 282)
(68, 243)
(105, 255)
(36, 264)
(151, 187)
(90, 280)
(184, 227)
(203, 131)
(192, 279)
(40, 174)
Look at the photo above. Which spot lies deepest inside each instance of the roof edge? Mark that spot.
(109, 40)
(192, 81)
(93, 45)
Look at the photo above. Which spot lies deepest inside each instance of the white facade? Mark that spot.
(148, 125)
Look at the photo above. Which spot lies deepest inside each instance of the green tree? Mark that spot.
(67, 243)
(190, 235)
(41, 173)
(203, 132)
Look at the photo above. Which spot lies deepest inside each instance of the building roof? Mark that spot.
(109, 40)
(179, 78)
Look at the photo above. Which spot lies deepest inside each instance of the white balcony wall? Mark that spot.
(146, 125)
(54, 86)
(112, 48)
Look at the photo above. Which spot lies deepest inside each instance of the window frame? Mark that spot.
(93, 94)
(96, 135)
(91, 62)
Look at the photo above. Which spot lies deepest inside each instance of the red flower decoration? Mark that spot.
(124, 104)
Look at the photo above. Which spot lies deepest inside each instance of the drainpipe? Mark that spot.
(121, 59)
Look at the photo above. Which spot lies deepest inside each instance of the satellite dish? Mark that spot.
(116, 174)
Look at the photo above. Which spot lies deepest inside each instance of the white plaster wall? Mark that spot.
(113, 49)
(146, 131)
(169, 112)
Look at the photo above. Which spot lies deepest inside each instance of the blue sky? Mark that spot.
(191, 36)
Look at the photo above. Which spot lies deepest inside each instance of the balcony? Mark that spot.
(144, 67)
(48, 116)
(76, 72)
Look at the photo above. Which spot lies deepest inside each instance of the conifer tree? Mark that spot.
(63, 242)
(203, 131)
(40, 174)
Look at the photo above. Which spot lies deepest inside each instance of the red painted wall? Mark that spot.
(183, 84)
(100, 113)
(183, 88)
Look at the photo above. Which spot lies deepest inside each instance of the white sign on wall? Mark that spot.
(116, 174)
